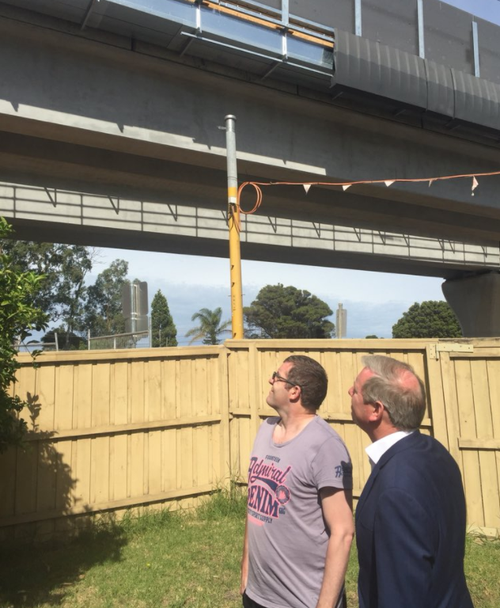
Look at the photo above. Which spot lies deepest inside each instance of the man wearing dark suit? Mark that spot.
(410, 519)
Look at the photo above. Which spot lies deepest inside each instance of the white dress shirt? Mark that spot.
(378, 448)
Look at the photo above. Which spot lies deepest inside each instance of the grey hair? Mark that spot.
(403, 400)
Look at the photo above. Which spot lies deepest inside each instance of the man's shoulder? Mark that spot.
(327, 441)
(421, 457)
(329, 457)
(322, 428)
(427, 445)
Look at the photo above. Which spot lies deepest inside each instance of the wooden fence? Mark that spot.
(114, 430)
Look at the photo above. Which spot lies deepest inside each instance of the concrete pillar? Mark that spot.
(476, 302)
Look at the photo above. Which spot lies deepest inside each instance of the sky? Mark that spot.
(486, 9)
(374, 301)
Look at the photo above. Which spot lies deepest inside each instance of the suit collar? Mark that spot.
(404, 444)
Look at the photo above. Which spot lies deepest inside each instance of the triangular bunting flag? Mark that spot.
(345, 186)
(475, 184)
(430, 182)
(389, 182)
(307, 187)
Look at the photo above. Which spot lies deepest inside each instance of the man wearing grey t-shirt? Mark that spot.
(299, 525)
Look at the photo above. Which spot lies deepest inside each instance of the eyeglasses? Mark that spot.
(276, 376)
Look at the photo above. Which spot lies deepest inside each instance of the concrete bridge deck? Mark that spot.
(111, 112)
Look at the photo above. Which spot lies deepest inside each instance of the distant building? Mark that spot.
(341, 322)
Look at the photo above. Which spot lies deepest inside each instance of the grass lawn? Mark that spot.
(172, 560)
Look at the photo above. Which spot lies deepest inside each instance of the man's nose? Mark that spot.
(350, 391)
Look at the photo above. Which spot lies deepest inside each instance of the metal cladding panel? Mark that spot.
(235, 58)
(274, 4)
(139, 25)
(155, 15)
(379, 70)
(489, 50)
(476, 100)
(440, 89)
(337, 13)
(448, 36)
(392, 22)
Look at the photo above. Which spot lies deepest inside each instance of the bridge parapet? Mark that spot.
(433, 30)
(404, 59)
(112, 221)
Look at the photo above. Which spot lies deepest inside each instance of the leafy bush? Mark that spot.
(18, 316)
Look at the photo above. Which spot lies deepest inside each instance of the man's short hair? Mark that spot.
(311, 377)
(398, 387)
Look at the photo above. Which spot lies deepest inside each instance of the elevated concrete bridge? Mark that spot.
(88, 219)
(123, 99)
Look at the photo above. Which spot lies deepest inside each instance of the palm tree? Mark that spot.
(210, 326)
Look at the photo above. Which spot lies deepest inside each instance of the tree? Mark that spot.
(73, 308)
(18, 316)
(163, 330)
(288, 312)
(430, 319)
(103, 311)
(76, 262)
(210, 327)
(62, 293)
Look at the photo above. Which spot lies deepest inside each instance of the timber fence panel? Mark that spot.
(494, 386)
(243, 405)
(114, 430)
(477, 376)
(484, 425)
(467, 430)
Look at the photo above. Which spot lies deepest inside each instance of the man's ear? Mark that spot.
(295, 393)
(377, 412)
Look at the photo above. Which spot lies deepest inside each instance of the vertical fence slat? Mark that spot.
(470, 459)
(436, 407)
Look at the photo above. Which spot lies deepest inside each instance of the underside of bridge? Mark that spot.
(96, 112)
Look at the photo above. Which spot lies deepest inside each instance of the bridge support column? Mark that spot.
(476, 302)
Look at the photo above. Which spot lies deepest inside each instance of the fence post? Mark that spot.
(226, 467)
(254, 385)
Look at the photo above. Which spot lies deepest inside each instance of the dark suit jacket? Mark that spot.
(410, 529)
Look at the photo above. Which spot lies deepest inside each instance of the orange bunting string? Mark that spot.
(345, 185)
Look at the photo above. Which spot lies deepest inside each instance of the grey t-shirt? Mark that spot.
(287, 537)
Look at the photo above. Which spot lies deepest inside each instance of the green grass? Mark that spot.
(172, 560)
(482, 567)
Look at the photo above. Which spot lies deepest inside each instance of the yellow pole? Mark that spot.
(233, 216)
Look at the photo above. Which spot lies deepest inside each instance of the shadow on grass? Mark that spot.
(34, 573)
(43, 574)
